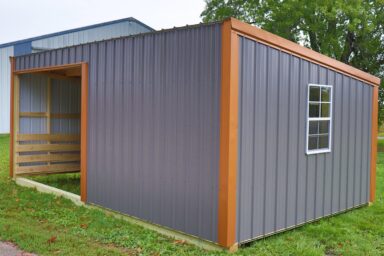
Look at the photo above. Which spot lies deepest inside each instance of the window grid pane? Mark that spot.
(319, 118)
(314, 110)
(325, 109)
(314, 93)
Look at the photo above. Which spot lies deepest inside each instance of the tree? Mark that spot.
(351, 31)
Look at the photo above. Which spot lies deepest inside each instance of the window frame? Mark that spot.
(330, 119)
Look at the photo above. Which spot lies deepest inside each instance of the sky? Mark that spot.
(20, 19)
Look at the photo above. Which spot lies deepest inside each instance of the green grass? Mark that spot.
(380, 145)
(46, 225)
(381, 131)
(69, 182)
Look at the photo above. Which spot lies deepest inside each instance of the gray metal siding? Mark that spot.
(5, 81)
(33, 98)
(279, 186)
(65, 98)
(153, 123)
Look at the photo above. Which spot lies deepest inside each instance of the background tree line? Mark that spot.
(351, 31)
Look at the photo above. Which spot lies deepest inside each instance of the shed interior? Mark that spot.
(47, 122)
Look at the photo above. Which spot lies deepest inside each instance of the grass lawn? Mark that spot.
(69, 181)
(46, 225)
(380, 145)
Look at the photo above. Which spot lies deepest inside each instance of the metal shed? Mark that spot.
(222, 131)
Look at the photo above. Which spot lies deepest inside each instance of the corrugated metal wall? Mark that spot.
(125, 28)
(153, 123)
(33, 98)
(5, 81)
(279, 186)
(65, 98)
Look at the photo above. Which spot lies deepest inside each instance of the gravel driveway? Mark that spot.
(9, 249)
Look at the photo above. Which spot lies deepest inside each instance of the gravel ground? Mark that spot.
(9, 249)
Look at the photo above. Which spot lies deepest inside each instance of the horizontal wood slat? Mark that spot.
(33, 114)
(47, 169)
(47, 147)
(48, 158)
(52, 115)
(48, 137)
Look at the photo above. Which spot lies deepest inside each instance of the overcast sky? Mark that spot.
(20, 19)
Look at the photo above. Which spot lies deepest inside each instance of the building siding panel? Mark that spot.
(153, 127)
(279, 186)
(121, 29)
(5, 81)
(33, 98)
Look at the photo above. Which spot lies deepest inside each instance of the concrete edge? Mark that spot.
(173, 234)
(49, 190)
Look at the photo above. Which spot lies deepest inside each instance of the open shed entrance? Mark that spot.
(49, 121)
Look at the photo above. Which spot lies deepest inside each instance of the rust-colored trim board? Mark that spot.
(49, 68)
(83, 132)
(296, 49)
(374, 130)
(12, 135)
(228, 137)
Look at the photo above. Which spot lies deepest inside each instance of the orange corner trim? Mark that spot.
(228, 137)
(84, 131)
(374, 130)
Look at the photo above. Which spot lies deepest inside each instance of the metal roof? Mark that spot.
(152, 32)
(131, 19)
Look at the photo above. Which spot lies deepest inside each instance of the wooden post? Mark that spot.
(48, 112)
(83, 132)
(374, 130)
(228, 137)
(16, 120)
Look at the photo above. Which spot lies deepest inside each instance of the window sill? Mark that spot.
(320, 151)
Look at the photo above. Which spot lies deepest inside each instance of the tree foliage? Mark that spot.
(351, 31)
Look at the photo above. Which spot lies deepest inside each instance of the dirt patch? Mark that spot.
(10, 249)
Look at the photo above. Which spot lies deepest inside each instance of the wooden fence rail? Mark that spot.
(47, 153)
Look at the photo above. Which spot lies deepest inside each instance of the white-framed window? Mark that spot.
(319, 119)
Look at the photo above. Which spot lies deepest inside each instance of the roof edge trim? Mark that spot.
(129, 19)
(283, 44)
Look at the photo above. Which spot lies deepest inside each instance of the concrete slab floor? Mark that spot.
(10, 249)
